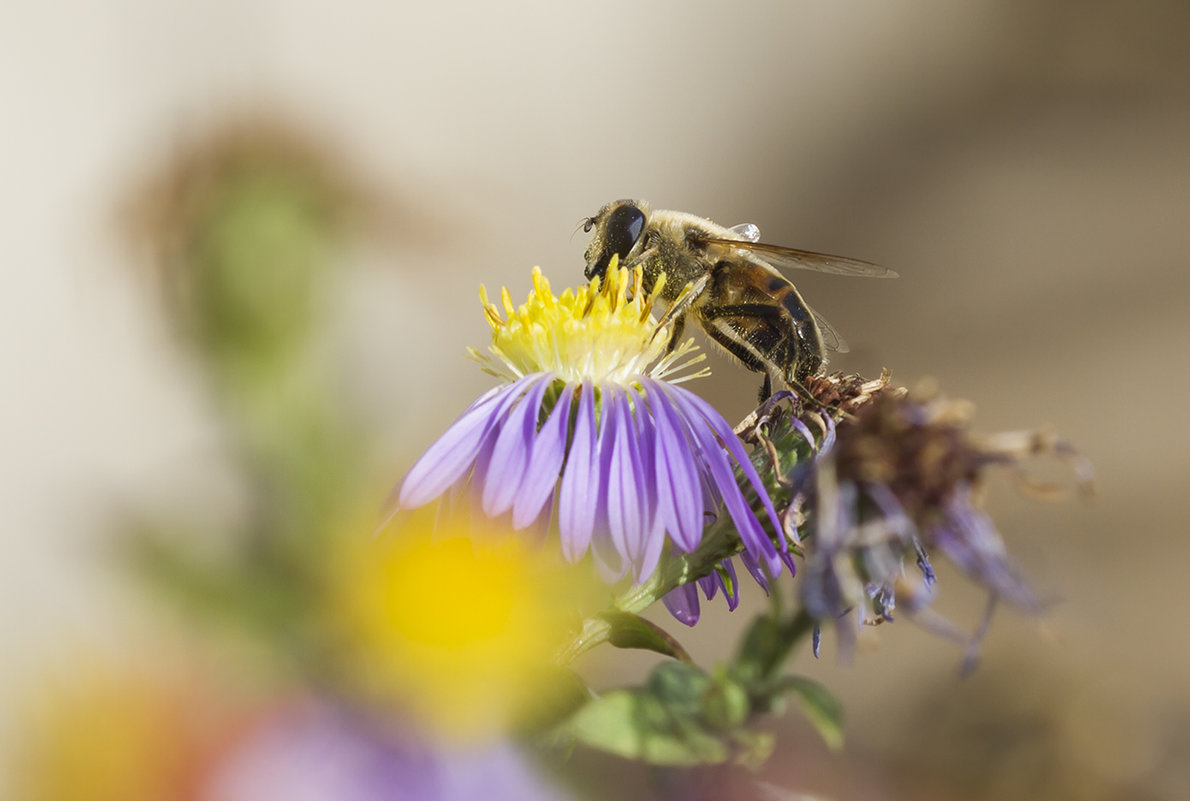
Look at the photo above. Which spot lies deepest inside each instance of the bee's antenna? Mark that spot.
(585, 223)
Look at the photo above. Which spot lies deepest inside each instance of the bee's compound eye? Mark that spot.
(624, 227)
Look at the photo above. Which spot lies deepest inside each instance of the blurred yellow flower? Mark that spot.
(112, 735)
(457, 627)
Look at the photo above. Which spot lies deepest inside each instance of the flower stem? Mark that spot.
(720, 542)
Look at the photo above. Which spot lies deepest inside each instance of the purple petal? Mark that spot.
(732, 443)
(654, 534)
(610, 558)
(787, 558)
(891, 510)
(804, 430)
(731, 587)
(682, 603)
(749, 528)
(623, 502)
(545, 463)
(828, 436)
(449, 458)
(680, 501)
(539, 528)
(923, 563)
(510, 454)
(970, 540)
(753, 568)
(579, 492)
(487, 448)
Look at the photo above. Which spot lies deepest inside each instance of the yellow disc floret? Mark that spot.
(603, 331)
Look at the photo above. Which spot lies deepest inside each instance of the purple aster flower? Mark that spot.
(591, 430)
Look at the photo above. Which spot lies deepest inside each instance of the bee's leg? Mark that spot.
(679, 325)
(738, 344)
(639, 259)
(675, 315)
(768, 346)
(760, 336)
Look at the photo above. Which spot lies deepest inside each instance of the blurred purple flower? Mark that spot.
(319, 753)
(898, 484)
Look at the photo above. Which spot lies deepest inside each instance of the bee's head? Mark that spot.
(618, 227)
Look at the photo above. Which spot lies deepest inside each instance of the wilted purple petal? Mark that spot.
(804, 430)
(923, 563)
(545, 464)
(969, 539)
(891, 510)
(828, 435)
(510, 455)
(682, 603)
(579, 492)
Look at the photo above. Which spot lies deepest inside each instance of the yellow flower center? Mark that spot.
(603, 331)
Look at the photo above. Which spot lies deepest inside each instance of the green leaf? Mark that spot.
(680, 717)
(679, 684)
(726, 705)
(638, 725)
(633, 631)
(819, 706)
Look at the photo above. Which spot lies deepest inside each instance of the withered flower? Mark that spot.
(897, 480)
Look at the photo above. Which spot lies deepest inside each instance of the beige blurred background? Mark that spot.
(1024, 166)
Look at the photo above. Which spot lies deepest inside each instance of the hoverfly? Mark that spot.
(736, 293)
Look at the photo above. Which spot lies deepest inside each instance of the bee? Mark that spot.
(735, 291)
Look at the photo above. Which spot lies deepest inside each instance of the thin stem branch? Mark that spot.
(719, 543)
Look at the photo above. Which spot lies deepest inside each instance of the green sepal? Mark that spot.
(631, 631)
(681, 717)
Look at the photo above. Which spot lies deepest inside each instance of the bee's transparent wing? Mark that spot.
(791, 258)
(830, 337)
(746, 232)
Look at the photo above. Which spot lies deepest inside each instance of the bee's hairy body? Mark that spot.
(739, 300)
